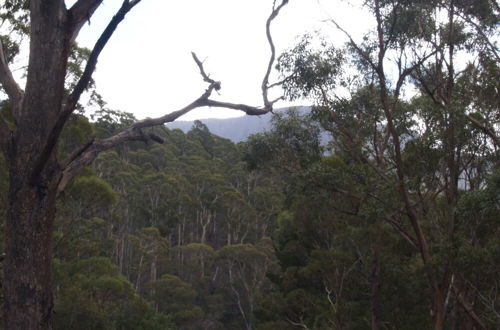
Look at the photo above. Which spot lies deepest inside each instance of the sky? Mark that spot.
(147, 68)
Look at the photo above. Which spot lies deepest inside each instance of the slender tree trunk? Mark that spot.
(375, 298)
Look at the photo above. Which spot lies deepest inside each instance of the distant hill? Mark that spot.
(236, 129)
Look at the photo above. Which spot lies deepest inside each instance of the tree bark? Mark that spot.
(28, 298)
(27, 270)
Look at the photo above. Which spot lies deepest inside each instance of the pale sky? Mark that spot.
(147, 68)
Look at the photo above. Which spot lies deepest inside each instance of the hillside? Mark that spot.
(236, 129)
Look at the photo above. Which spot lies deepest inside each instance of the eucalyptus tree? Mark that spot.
(30, 132)
(424, 152)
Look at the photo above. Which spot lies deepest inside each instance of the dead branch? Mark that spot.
(265, 82)
(205, 76)
(92, 149)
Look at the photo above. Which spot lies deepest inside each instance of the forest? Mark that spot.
(377, 208)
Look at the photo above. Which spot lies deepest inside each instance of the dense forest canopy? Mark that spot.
(379, 208)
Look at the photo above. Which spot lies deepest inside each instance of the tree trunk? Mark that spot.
(375, 296)
(34, 173)
(27, 270)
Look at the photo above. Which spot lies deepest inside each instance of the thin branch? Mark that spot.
(480, 31)
(249, 110)
(407, 236)
(281, 82)
(408, 71)
(81, 12)
(488, 131)
(391, 35)
(265, 82)
(14, 92)
(365, 56)
(82, 84)
(205, 76)
(468, 308)
(297, 324)
(78, 152)
(426, 89)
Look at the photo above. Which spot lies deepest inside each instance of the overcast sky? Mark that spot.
(147, 68)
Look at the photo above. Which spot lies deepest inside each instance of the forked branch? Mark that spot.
(265, 82)
(92, 149)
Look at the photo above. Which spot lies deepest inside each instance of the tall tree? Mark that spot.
(424, 151)
(30, 133)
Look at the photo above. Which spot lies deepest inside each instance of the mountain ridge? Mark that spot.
(236, 129)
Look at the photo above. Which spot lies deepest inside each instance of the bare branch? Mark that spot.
(14, 92)
(80, 12)
(265, 82)
(206, 78)
(249, 110)
(82, 84)
(92, 149)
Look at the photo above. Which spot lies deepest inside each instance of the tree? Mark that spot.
(30, 133)
(422, 154)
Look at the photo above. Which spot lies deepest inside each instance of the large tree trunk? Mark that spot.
(34, 174)
(27, 270)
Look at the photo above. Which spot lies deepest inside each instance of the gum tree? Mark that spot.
(429, 149)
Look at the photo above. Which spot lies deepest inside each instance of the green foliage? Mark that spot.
(304, 225)
(93, 295)
(309, 69)
(176, 298)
